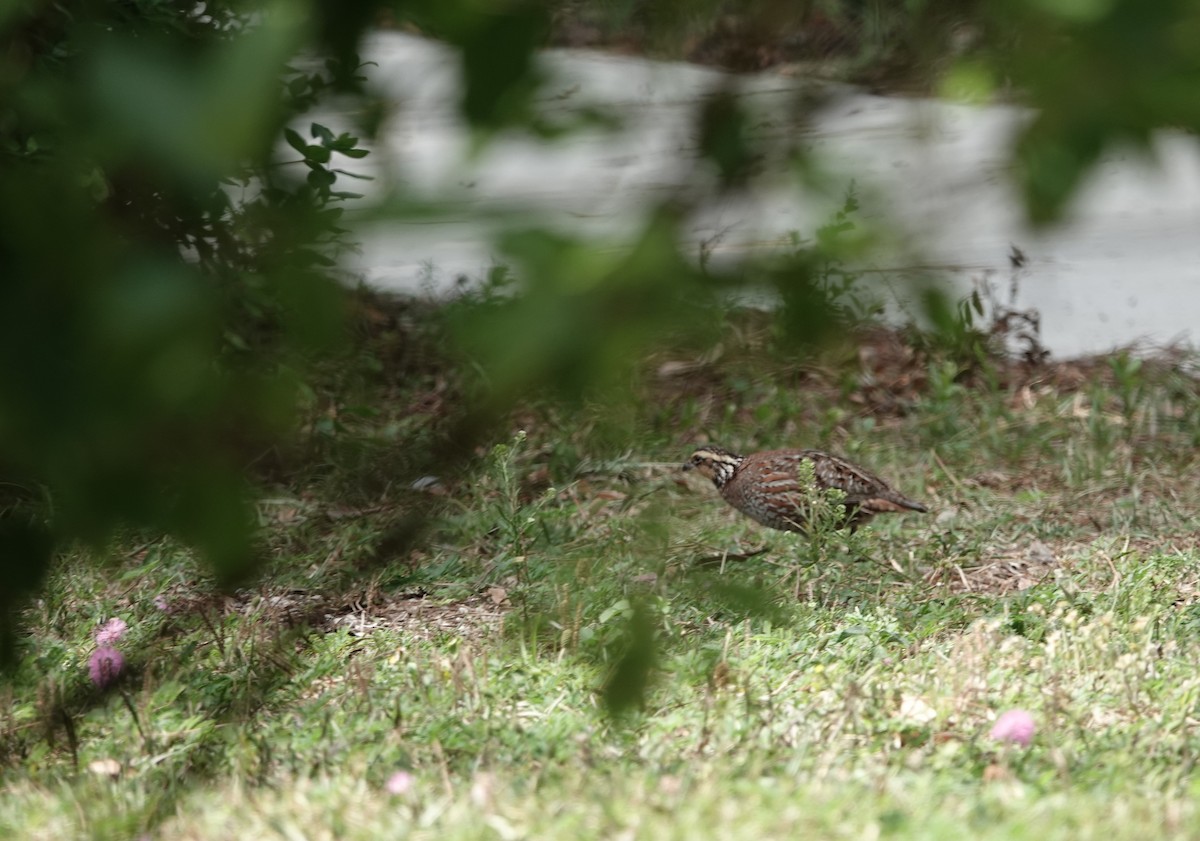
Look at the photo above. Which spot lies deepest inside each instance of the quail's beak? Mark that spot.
(687, 465)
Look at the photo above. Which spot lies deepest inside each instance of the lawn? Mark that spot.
(562, 635)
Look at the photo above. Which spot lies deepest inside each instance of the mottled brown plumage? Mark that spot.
(767, 486)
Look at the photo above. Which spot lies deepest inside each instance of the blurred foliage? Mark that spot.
(1104, 74)
(170, 224)
(162, 254)
(634, 659)
(584, 315)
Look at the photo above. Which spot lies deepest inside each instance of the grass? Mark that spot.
(1057, 572)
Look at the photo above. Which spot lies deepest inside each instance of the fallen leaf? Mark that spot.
(995, 773)
(990, 479)
(105, 768)
(915, 710)
(677, 368)
(1024, 398)
(429, 484)
(1041, 553)
(482, 787)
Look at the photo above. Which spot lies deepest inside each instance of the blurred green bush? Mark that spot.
(160, 252)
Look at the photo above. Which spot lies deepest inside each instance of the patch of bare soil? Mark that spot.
(1017, 568)
(476, 618)
(1026, 565)
(742, 41)
(875, 370)
(884, 372)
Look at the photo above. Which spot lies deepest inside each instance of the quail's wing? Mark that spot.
(857, 484)
(861, 487)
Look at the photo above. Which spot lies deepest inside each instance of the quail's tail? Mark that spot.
(893, 502)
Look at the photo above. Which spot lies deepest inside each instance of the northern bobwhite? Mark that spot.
(767, 487)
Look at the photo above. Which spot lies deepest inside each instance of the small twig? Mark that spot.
(142, 547)
(213, 630)
(949, 473)
(335, 514)
(72, 739)
(137, 722)
(444, 766)
(963, 576)
(894, 564)
(1116, 576)
(731, 556)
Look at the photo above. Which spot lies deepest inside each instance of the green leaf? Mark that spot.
(322, 132)
(321, 178)
(295, 140)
